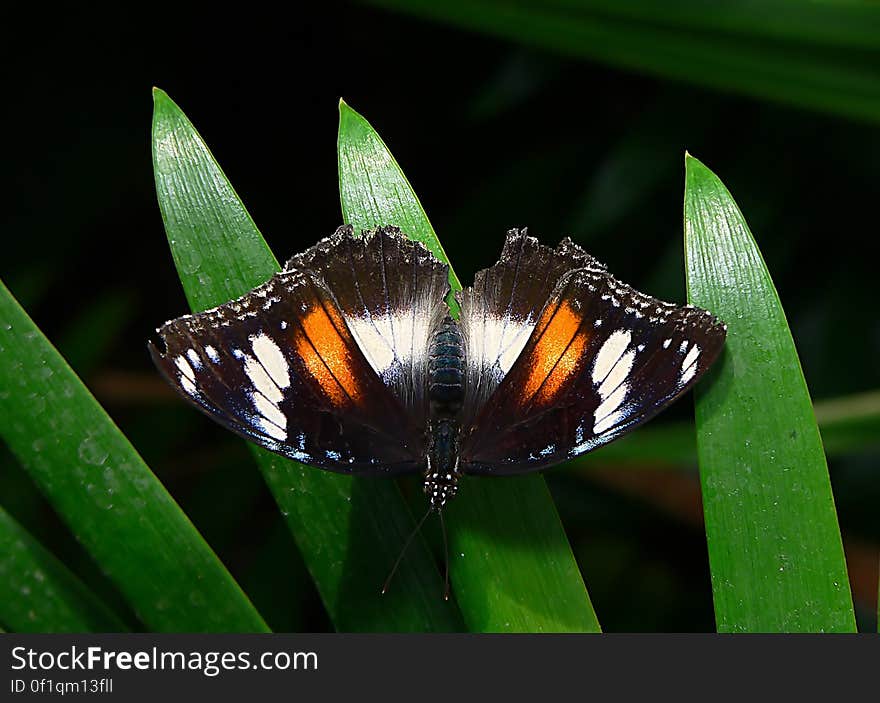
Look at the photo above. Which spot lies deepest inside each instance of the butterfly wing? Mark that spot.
(499, 312)
(391, 291)
(283, 367)
(600, 359)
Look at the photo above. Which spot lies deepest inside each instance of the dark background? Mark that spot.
(491, 135)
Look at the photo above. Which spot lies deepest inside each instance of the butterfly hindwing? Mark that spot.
(391, 292)
(499, 312)
(283, 367)
(601, 358)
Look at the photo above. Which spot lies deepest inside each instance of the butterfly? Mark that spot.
(348, 359)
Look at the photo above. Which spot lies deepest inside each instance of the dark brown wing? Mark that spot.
(601, 358)
(391, 291)
(283, 366)
(499, 312)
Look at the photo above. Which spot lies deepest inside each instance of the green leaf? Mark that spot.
(511, 564)
(774, 544)
(39, 594)
(105, 493)
(844, 23)
(348, 531)
(718, 49)
(373, 190)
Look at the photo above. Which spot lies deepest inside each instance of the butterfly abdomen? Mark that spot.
(445, 393)
(446, 369)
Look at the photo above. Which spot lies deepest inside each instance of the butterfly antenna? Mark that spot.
(403, 551)
(446, 556)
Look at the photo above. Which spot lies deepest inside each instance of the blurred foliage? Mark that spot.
(563, 145)
(784, 50)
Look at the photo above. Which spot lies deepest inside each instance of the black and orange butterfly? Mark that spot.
(348, 359)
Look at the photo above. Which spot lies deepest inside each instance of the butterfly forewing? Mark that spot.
(294, 366)
(601, 358)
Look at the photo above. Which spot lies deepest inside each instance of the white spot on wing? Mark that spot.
(269, 355)
(608, 406)
(610, 353)
(610, 372)
(548, 450)
(691, 357)
(187, 375)
(618, 373)
(504, 339)
(188, 385)
(607, 422)
(269, 410)
(375, 346)
(688, 375)
(270, 429)
(185, 369)
(261, 380)
(193, 356)
(400, 336)
(689, 365)
(212, 354)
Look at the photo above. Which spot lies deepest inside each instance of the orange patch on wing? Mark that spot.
(556, 354)
(567, 365)
(326, 355)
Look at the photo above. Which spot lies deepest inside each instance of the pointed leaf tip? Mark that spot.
(220, 255)
(692, 161)
(159, 95)
(773, 538)
(536, 559)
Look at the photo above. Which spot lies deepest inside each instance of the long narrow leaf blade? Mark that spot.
(774, 544)
(102, 489)
(373, 190)
(512, 566)
(834, 23)
(39, 594)
(827, 79)
(349, 532)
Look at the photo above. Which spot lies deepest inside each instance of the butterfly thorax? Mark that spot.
(445, 395)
